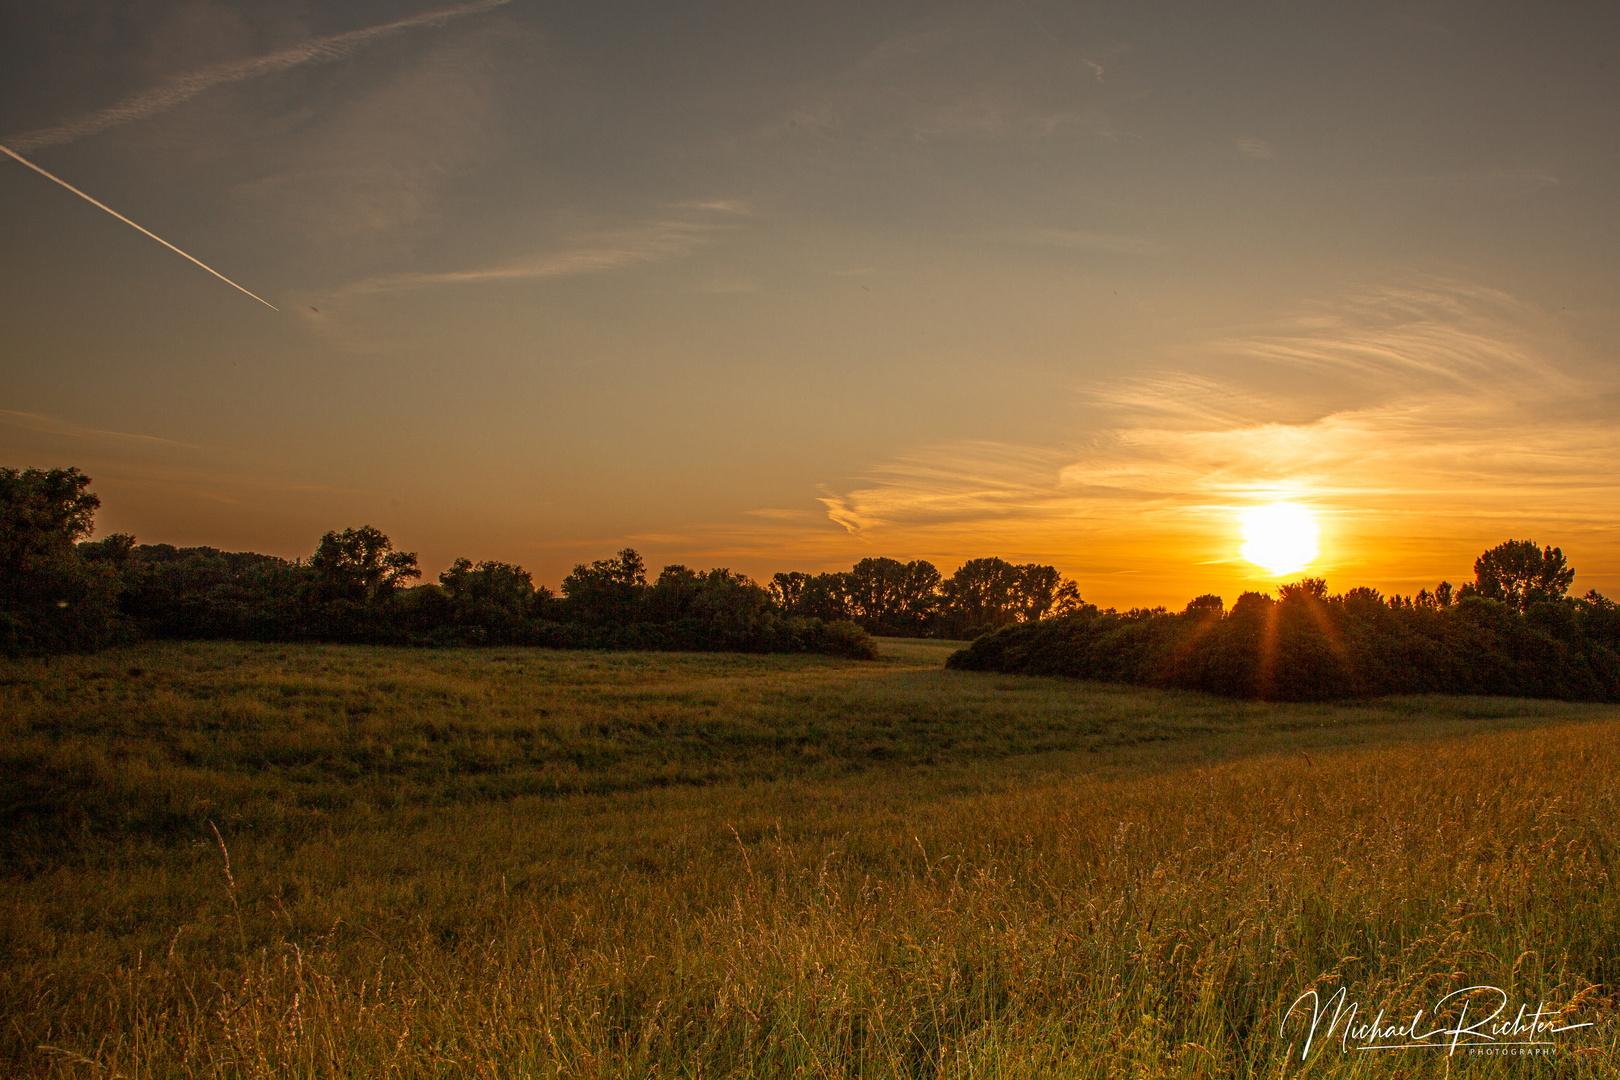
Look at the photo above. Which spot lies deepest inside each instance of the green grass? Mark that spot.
(515, 862)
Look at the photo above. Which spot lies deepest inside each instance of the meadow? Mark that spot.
(239, 860)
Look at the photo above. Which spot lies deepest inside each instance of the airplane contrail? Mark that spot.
(183, 88)
(12, 153)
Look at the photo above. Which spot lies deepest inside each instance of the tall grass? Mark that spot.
(1084, 882)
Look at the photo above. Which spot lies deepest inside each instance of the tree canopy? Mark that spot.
(361, 564)
(1520, 574)
(53, 598)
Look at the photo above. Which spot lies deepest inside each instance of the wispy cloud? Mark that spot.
(931, 84)
(1255, 147)
(130, 455)
(776, 514)
(618, 249)
(723, 206)
(1490, 185)
(1080, 240)
(1445, 333)
(951, 483)
(365, 181)
(50, 425)
(183, 88)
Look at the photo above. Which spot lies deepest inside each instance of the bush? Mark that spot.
(1312, 647)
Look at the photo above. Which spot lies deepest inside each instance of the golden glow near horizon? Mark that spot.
(1280, 538)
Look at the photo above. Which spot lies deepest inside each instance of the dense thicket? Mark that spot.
(352, 590)
(61, 593)
(1512, 632)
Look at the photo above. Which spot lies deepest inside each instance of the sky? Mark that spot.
(783, 286)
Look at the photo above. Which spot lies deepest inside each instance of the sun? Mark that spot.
(1279, 538)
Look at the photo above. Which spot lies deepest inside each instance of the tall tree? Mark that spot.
(43, 512)
(919, 593)
(825, 596)
(1519, 574)
(1037, 591)
(887, 596)
(52, 598)
(984, 592)
(787, 590)
(874, 589)
(1068, 600)
(607, 590)
(361, 564)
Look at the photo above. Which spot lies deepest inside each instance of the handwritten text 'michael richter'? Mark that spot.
(1526, 1029)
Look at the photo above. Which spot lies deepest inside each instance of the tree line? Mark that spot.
(60, 591)
(1513, 630)
(912, 599)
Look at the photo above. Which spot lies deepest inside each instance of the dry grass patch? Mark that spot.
(1039, 878)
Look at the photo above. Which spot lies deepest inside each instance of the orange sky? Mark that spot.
(776, 289)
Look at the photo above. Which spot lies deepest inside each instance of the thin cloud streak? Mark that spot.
(50, 425)
(1252, 146)
(49, 176)
(894, 103)
(1492, 185)
(183, 88)
(651, 242)
(1078, 240)
(1448, 335)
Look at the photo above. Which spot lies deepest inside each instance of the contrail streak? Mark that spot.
(183, 88)
(12, 153)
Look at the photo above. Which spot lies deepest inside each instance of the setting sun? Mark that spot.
(1280, 538)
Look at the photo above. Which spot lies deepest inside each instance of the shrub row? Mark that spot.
(1308, 646)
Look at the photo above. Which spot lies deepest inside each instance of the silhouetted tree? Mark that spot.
(361, 565)
(825, 597)
(1363, 596)
(1068, 600)
(1251, 604)
(494, 596)
(52, 597)
(887, 596)
(984, 592)
(1302, 590)
(1520, 574)
(787, 590)
(607, 590)
(874, 587)
(1037, 591)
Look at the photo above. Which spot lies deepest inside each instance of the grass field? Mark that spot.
(263, 861)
